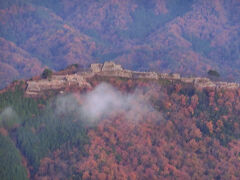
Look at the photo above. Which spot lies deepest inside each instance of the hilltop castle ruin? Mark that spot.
(110, 69)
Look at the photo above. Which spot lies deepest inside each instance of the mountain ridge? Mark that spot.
(186, 37)
(110, 69)
(108, 126)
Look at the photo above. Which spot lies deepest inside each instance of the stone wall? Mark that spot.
(144, 75)
(111, 66)
(122, 73)
(227, 85)
(57, 82)
(36, 87)
(75, 79)
(203, 83)
(96, 68)
(170, 76)
(58, 77)
(187, 80)
(110, 69)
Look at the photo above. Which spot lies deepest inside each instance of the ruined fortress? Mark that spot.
(110, 69)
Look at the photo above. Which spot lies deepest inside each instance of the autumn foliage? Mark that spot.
(189, 134)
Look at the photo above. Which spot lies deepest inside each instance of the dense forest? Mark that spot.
(121, 129)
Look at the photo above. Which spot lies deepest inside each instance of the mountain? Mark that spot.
(16, 63)
(107, 122)
(189, 37)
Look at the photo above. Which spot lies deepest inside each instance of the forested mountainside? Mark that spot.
(185, 36)
(120, 128)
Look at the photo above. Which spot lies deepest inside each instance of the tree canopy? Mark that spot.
(213, 73)
(47, 73)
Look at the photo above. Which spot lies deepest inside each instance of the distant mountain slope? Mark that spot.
(185, 36)
(16, 63)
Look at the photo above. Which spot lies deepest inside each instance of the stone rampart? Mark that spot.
(56, 83)
(111, 66)
(144, 75)
(110, 69)
(96, 68)
(170, 76)
(117, 73)
(35, 87)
